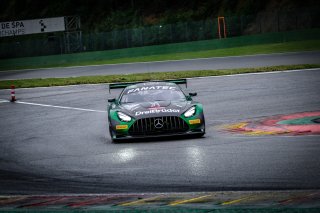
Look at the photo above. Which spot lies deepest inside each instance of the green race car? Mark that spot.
(153, 109)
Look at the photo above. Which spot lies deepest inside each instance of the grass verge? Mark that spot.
(235, 51)
(190, 50)
(48, 82)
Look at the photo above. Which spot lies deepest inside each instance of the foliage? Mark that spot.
(107, 15)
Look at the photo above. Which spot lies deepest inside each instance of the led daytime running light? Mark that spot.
(123, 117)
(190, 112)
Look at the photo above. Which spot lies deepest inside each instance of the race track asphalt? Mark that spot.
(170, 66)
(67, 150)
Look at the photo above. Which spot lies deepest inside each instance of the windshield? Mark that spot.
(153, 95)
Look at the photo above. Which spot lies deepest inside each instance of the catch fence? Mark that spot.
(216, 28)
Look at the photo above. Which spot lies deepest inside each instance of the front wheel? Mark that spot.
(204, 129)
(114, 140)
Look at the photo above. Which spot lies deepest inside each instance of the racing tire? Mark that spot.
(204, 132)
(111, 136)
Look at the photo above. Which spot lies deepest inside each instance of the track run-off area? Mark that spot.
(55, 141)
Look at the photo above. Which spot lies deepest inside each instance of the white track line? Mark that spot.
(256, 73)
(3, 101)
(193, 78)
(59, 107)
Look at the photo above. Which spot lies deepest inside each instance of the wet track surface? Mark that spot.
(261, 60)
(45, 149)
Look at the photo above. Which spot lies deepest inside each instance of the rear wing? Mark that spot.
(125, 84)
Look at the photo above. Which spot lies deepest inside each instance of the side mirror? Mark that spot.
(112, 100)
(193, 94)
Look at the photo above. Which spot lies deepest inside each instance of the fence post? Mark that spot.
(241, 25)
(224, 27)
(278, 20)
(127, 35)
(260, 25)
(187, 37)
(141, 36)
(171, 37)
(113, 42)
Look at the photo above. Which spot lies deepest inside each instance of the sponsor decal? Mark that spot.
(121, 127)
(155, 105)
(24, 27)
(146, 88)
(157, 111)
(195, 121)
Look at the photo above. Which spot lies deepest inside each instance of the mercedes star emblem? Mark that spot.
(158, 123)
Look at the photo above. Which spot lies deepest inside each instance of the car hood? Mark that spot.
(155, 109)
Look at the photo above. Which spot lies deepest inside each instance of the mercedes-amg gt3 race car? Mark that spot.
(153, 109)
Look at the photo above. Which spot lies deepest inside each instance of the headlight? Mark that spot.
(190, 112)
(124, 117)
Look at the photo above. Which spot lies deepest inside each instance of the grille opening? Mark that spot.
(158, 125)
